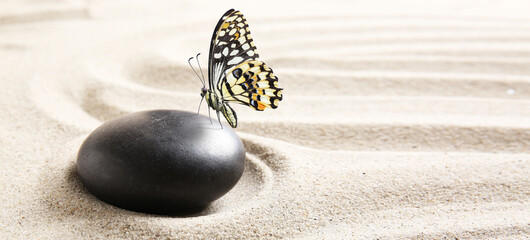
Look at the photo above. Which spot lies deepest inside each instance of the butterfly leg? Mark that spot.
(219, 119)
(209, 116)
(198, 110)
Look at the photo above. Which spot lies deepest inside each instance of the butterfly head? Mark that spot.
(204, 90)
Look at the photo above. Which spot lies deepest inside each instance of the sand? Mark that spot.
(406, 120)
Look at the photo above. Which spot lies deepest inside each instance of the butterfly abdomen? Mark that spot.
(229, 114)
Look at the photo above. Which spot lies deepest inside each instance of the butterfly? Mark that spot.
(235, 74)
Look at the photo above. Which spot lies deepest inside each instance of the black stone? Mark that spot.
(161, 161)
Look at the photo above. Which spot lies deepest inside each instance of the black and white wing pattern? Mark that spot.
(234, 71)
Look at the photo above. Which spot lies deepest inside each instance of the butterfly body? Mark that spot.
(235, 74)
(215, 102)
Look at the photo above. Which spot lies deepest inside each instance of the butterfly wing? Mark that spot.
(252, 83)
(234, 71)
(231, 45)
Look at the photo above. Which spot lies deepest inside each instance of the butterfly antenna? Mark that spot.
(189, 62)
(200, 69)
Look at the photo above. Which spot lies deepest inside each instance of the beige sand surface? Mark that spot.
(399, 120)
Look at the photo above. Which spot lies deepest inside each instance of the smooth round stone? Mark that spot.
(161, 161)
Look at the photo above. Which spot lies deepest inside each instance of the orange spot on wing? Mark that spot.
(236, 34)
(225, 25)
(261, 106)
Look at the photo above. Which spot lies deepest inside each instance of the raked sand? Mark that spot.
(406, 120)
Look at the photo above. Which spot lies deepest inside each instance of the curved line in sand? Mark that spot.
(381, 137)
(41, 16)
